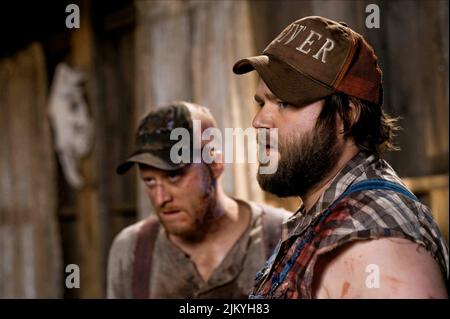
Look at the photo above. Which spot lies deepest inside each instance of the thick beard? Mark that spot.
(303, 161)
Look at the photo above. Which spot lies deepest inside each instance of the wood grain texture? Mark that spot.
(29, 240)
(185, 51)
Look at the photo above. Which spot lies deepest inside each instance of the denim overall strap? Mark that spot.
(375, 184)
(368, 184)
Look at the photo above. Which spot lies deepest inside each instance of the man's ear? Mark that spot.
(355, 112)
(217, 166)
(351, 117)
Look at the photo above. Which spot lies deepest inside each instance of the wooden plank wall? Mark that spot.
(90, 233)
(90, 217)
(115, 69)
(30, 254)
(104, 49)
(185, 50)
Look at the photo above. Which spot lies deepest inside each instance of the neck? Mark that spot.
(229, 224)
(313, 195)
(225, 211)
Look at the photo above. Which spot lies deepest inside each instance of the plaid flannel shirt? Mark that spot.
(369, 214)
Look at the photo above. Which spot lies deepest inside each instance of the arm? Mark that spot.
(380, 268)
(119, 266)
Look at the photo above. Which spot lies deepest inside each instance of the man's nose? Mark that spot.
(161, 196)
(263, 119)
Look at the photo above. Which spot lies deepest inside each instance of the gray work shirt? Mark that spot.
(173, 273)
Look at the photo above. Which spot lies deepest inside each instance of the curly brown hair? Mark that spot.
(373, 131)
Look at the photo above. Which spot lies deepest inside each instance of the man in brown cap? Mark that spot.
(360, 233)
(200, 242)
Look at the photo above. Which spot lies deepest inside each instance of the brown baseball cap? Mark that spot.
(315, 57)
(153, 142)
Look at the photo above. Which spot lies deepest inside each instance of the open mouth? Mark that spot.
(171, 212)
(270, 149)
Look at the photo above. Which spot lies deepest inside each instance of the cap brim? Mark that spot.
(147, 159)
(285, 82)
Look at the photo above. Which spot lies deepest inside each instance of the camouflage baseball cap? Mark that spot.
(153, 143)
(315, 57)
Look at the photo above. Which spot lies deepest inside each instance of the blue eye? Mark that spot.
(283, 105)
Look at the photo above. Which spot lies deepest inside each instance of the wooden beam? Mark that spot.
(87, 198)
(426, 183)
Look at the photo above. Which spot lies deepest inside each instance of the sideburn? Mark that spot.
(203, 223)
(305, 160)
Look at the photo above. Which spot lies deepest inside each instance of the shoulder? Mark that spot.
(385, 201)
(386, 223)
(276, 214)
(128, 233)
(383, 211)
(120, 261)
(268, 214)
(124, 242)
(379, 268)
